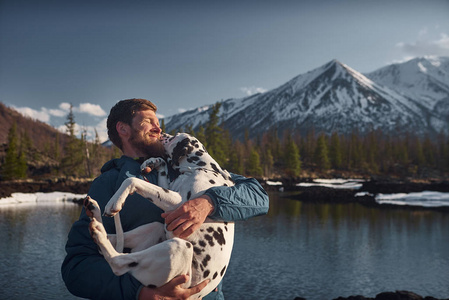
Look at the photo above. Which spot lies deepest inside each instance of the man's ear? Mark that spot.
(123, 129)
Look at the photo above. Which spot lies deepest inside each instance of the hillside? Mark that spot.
(45, 148)
(39, 132)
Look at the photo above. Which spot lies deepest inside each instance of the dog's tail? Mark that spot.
(119, 234)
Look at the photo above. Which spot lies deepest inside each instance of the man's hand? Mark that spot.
(172, 290)
(187, 218)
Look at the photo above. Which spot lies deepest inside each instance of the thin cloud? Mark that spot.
(424, 46)
(42, 115)
(249, 91)
(91, 109)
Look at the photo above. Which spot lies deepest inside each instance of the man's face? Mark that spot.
(146, 133)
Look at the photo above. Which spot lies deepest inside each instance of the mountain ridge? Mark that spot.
(336, 97)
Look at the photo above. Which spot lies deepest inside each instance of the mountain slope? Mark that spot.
(423, 79)
(331, 98)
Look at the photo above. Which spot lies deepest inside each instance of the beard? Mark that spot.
(144, 144)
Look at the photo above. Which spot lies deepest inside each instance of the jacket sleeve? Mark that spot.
(244, 200)
(85, 271)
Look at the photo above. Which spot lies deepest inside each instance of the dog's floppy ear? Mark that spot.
(179, 151)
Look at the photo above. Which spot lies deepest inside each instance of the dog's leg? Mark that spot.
(165, 199)
(92, 208)
(145, 236)
(161, 166)
(94, 212)
(155, 265)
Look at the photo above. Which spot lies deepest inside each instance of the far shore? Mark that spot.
(316, 194)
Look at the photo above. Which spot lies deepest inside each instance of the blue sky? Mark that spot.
(185, 54)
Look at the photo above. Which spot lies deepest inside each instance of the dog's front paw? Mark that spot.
(91, 207)
(150, 164)
(97, 231)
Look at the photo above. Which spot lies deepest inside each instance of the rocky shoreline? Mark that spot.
(315, 194)
(320, 194)
(76, 186)
(398, 295)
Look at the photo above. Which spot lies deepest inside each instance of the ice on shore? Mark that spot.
(30, 198)
(425, 199)
(354, 184)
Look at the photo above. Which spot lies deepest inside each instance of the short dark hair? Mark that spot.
(124, 111)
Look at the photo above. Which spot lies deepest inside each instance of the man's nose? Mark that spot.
(156, 129)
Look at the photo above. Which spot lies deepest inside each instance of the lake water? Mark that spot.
(315, 251)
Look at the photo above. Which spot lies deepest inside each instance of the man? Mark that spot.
(134, 128)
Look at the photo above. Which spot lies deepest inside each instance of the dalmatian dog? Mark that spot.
(156, 255)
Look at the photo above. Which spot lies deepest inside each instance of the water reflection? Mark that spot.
(315, 251)
(322, 251)
(33, 239)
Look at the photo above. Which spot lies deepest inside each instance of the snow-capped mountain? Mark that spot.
(425, 80)
(335, 97)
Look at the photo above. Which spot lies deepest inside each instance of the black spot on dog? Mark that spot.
(202, 243)
(201, 164)
(165, 190)
(133, 264)
(214, 166)
(189, 160)
(210, 240)
(215, 275)
(223, 271)
(219, 237)
(210, 229)
(206, 273)
(197, 250)
(194, 263)
(225, 184)
(189, 245)
(211, 181)
(206, 260)
(198, 153)
(195, 158)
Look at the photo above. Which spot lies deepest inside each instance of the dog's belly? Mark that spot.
(212, 248)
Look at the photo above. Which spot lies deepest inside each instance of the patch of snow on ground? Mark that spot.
(425, 199)
(29, 198)
(335, 183)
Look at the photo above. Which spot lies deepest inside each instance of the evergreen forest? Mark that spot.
(272, 155)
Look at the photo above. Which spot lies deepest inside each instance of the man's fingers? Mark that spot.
(199, 287)
(171, 215)
(178, 280)
(185, 230)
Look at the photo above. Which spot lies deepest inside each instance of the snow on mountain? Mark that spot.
(424, 79)
(335, 97)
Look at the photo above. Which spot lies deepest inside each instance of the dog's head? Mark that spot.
(184, 148)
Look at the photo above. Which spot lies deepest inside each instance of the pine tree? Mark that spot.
(201, 135)
(268, 160)
(292, 158)
(214, 136)
(14, 166)
(72, 163)
(321, 153)
(254, 168)
(163, 125)
(335, 153)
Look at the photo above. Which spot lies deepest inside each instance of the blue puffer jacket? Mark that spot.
(84, 270)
